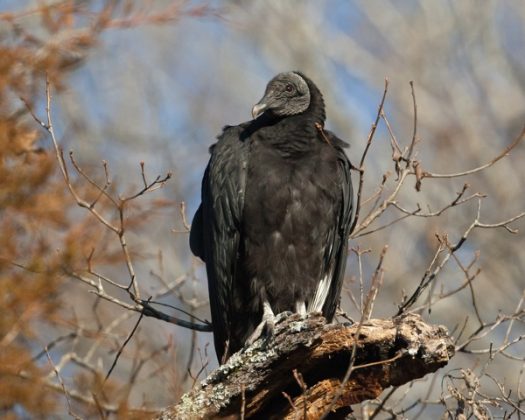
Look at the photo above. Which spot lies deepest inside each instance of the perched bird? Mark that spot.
(275, 215)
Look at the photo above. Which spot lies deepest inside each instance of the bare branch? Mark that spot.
(66, 393)
(121, 349)
(504, 153)
(363, 156)
(102, 190)
(430, 276)
(407, 348)
(414, 133)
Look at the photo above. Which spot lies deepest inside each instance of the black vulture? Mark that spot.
(275, 215)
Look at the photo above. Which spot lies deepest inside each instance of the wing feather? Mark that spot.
(215, 232)
(336, 255)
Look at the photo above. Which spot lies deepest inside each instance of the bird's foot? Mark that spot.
(265, 328)
(348, 321)
(282, 316)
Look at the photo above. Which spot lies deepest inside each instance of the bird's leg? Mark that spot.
(282, 316)
(267, 325)
(300, 308)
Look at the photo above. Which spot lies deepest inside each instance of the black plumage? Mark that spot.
(275, 215)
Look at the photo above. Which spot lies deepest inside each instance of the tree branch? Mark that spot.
(260, 380)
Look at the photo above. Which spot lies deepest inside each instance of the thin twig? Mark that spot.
(504, 153)
(243, 401)
(414, 133)
(382, 403)
(363, 156)
(66, 393)
(121, 349)
(365, 312)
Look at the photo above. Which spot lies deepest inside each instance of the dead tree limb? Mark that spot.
(300, 370)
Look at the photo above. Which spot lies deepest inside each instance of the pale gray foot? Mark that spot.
(266, 327)
(349, 321)
(300, 308)
(282, 316)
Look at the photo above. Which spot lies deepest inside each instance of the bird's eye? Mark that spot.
(289, 88)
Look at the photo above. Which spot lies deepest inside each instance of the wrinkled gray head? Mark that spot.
(286, 94)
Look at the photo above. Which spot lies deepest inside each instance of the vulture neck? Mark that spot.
(316, 108)
(295, 135)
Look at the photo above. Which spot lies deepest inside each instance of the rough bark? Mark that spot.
(299, 372)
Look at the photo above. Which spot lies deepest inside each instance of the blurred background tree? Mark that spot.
(155, 82)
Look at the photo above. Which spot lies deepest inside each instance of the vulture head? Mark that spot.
(286, 94)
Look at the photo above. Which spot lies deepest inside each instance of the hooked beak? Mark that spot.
(258, 109)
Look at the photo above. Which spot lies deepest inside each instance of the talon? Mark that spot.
(266, 327)
(269, 328)
(282, 316)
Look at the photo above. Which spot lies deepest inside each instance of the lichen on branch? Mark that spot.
(300, 370)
